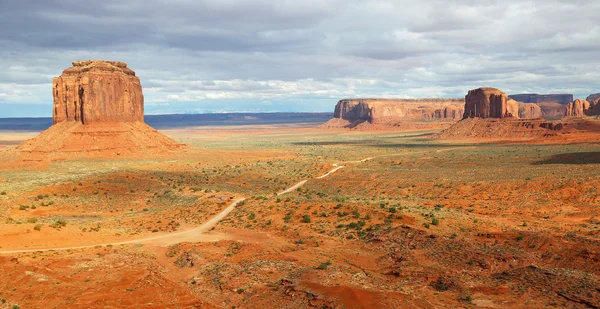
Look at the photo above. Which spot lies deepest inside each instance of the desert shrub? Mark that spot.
(23, 207)
(324, 265)
(38, 227)
(287, 218)
(435, 221)
(306, 219)
(3, 193)
(59, 223)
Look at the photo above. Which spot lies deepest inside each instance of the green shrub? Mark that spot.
(306, 219)
(324, 265)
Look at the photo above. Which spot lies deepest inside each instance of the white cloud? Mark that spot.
(244, 52)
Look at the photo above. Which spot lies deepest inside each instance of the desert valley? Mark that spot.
(487, 201)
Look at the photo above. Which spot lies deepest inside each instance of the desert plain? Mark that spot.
(296, 216)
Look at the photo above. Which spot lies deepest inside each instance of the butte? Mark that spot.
(98, 112)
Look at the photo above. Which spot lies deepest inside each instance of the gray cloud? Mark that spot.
(256, 51)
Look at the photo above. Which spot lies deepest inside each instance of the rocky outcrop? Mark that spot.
(593, 97)
(538, 98)
(98, 91)
(552, 110)
(489, 103)
(98, 112)
(530, 111)
(386, 111)
(578, 108)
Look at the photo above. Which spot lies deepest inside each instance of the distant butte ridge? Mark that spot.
(563, 99)
(98, 112)
(489, 113)
(368, 113)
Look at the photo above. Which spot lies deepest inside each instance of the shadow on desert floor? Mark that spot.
(572, 158)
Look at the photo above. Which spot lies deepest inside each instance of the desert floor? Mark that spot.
(294, 217)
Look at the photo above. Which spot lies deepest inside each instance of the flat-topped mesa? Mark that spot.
(385, 111)
(489, 103)
(98, 91)
(563, 98)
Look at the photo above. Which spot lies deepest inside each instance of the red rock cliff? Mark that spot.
(578, 108)
(489, 103)
(98, 91)
(382, 111)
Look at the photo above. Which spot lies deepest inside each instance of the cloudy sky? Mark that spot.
(292, 55)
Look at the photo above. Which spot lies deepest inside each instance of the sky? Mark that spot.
(209, 56)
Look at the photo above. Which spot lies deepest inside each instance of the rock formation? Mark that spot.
(98, 111)
(538, 98)
(578, 108)
(593, 97)
(98, 91)
(552, 110)
(393, 111)
(529, 111)
(489, 103)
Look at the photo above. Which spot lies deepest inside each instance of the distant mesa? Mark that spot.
(490, 113)
(387, 113)
(99, 112)
(563, 99)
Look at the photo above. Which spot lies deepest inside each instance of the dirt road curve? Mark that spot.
(195, 234)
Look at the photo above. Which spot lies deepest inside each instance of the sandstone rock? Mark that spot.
(593, 97)
(538, 98)
(552, 110)
(386, 111)
(529, 111)
(578, 108)
(512, 108)
(489, 103)
(98, 91)
(98, 112)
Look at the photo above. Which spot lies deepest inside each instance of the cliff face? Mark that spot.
(489, 103)
(98, 91)
(538, 98)
(530, 111)
(382, 111)
(593, 97)
(552, 110)
(98, 112)
(578, 108)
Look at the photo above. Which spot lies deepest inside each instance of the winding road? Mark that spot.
(195, 234)
(199, 233)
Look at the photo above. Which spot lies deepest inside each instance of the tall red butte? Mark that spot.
(98, 112)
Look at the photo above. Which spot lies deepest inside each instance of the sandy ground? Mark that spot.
(268, 218)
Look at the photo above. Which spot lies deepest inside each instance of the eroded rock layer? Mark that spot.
(593, 97)
(530, 111)
(390, 111)
(578, 108)
(98, 91)
(489, 103)
(98, 112)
